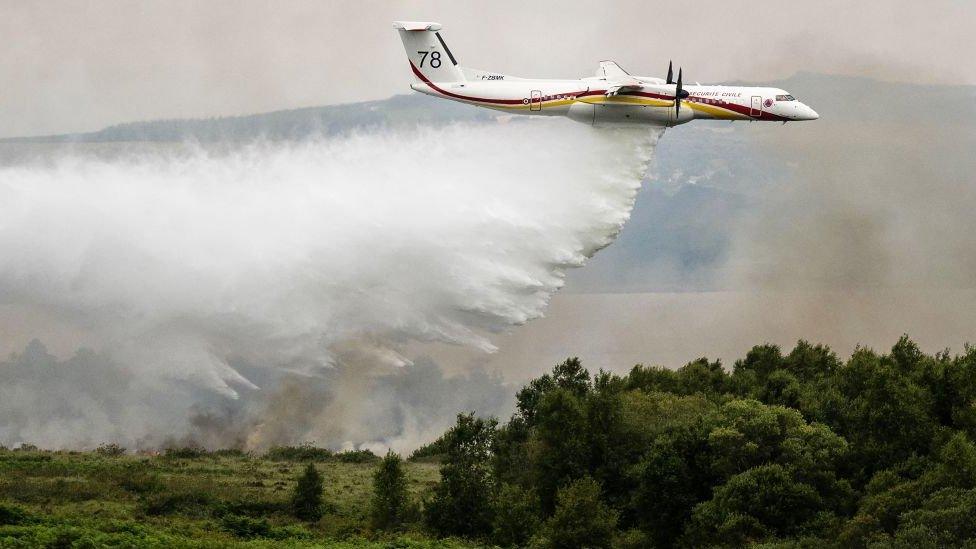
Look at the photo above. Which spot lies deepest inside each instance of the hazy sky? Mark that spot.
(75, 66)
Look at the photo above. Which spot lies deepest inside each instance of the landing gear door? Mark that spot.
(756, 108)
(535, 100)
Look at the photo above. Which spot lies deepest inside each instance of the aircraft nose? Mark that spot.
(806, 113)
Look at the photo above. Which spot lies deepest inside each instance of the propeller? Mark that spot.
(679, 94)
(670, 73)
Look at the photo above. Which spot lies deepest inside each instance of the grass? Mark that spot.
(191, 499)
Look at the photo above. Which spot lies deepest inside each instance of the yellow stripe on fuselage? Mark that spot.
(715, 111)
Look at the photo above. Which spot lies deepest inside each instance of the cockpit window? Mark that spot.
(785, 98)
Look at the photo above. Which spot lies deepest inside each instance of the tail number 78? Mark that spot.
(435, 58)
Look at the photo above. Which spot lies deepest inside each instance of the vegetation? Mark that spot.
(799, 449)
(214, 499)
(784, 450)
(306, 500)
(390, 505)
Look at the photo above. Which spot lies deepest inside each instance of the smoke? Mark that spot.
(850, 230)
(270, 289)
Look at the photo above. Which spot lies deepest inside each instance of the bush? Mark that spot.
(12, 515)
(306, 500)
(185, 452)
(431, 451)
(246, 527)
(762, 502)
(461, 502)
(110, 450)
(581, 518)
(389, 493)
(516, 516)
(356, 456)
(304, 452)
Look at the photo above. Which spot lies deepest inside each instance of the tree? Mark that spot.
(306, 500)
(670, 481)
(887, 415)
(516, 516)
(760, 503)
(562, 450)
(461, 502)
(389, 503)
(581, 519)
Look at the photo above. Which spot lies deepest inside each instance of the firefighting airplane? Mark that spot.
(611, 97)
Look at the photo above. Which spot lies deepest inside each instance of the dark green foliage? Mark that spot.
(303, 453)
(671, 478)
(430, 451)
(356, 456)
(389, 503)
(762, 502)
(306, 500)
(110, 450)
(246, 527)
(185, 452)
(12, 515)
(516, 516)
(789, 450)
(460, 504)
(561, 453)
(581, 519)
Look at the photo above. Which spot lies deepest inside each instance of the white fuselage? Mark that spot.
(586, 100)
(612, 97)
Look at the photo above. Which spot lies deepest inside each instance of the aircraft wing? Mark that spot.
(617, 85)
(617, 79)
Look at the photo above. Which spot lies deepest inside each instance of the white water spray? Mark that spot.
(282, 254)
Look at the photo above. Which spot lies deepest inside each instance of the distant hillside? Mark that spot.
(399, 110)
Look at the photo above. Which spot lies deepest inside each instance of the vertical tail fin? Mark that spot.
(429, 55)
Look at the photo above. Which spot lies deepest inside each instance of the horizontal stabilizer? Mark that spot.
(417, 25)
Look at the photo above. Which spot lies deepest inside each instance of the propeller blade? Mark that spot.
(677, 96)
(670, 73)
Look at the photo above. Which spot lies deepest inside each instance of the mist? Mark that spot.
(270, 289)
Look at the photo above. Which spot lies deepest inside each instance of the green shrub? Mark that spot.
(389, 501)
(581, 519)
(246, 527)
(306, 500)
(304, 452)
(110, 450)
(432, 451)
(460, 504)
(12, 515)
(185, 452)
(356, 456)
(516, 516)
